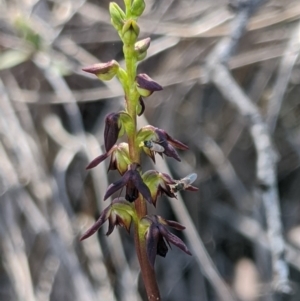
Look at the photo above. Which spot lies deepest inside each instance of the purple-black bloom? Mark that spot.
(111, 130)
(158, 236)
(119, 158)
(146, 85)
(165, 144)
(118, 213)
(134, 185)
(104, 71)
(169, 144)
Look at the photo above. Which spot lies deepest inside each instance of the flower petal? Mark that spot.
(111, 130)
(175, 240)
(152, 238)
(96, 226)
(141, 186)
(97, 161)
(162, 248)
(174, 225)
(111, 223)
(170, 151)
(114, 187)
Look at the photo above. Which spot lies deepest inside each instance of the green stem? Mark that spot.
(132, 96)
(131, 100)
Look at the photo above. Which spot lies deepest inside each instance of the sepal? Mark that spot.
(104, 71)
(119, 213)
(146, 85)
(115, 126)
(155, 140)
(111, 130)
(134, 185)
(158, 183)
(158, 236)
(119, 160)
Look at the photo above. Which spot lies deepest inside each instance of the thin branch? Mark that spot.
(284, 74)
(219, 74)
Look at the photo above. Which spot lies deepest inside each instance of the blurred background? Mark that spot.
(51, 125)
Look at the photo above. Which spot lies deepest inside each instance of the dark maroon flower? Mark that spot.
(111, 130)
(169, 144)
(134, 184)
(146, 85)
(155, 140)
(119, 158)
(118, 213)
(158, 236)
(104, 71)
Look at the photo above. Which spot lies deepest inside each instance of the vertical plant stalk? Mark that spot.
(148, 273)
(151, 235)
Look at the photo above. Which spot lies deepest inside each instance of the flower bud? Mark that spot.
(137, 8)
(112, 130)
(141, 47)
(117, 16)
(104, 71)
(130, 32)
(146, 85)
(120, 158)
(158, 236)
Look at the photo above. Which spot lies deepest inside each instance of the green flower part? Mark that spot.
(155, 140)
(158, 183)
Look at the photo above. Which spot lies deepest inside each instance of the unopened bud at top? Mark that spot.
(137, 8)
(104, 71)
(117, 16)
(130, 32)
